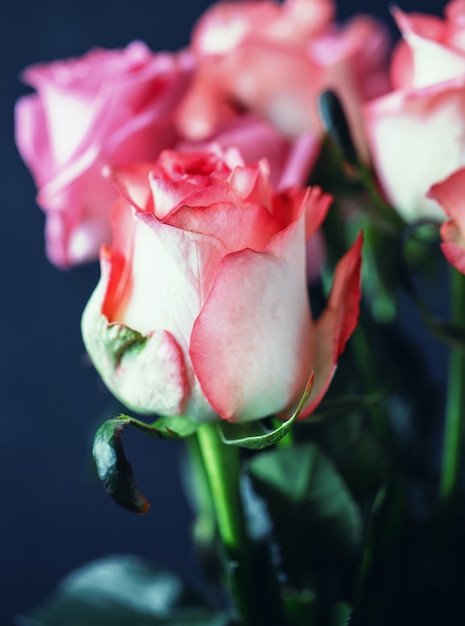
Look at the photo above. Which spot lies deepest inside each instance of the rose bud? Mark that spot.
(202, 306)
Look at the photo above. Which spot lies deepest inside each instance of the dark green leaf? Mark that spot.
(122, 591)
(314, 513)
(254, 435)
(335, 124)
(113, 468)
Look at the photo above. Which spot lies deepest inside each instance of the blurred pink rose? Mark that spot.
(275, 60)
(291, 160)
(202, 306)
(450, 195)
(109, 106)
(417, 132)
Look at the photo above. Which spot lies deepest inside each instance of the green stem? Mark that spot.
(383, 209)
(455, 401)
(222, 467)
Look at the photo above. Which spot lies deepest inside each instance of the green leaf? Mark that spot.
(113, 468)
(254, 435)
(122, 591)
(316, 519)
(172, 427)
(335, 123)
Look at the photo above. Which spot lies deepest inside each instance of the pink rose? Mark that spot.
(275, 60)
(417, 132)
(108, 107)
(450, 195)
(202, 305)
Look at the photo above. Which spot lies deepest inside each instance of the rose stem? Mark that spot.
(222, 467)
(455, 400)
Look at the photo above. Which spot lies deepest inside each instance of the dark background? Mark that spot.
(54, 515)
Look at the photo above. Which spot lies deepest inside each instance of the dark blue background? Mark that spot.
(54, 515)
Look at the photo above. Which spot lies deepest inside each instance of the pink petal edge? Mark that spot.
(336, 324)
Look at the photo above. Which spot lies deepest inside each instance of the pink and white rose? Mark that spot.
(416, 133)
(275, 60)
(202, 306)
(107, 107)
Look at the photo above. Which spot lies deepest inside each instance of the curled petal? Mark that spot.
(337, 322)
(449, 194)
(146, 372)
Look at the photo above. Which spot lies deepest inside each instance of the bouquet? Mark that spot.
(267, 205)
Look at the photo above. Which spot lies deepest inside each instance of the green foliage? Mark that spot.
(122, 591)
(335, 124)
(316, 521)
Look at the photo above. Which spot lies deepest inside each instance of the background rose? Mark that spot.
(291, 160)
(109, 106)
(417, 132)
(275, 60)
(202, 304)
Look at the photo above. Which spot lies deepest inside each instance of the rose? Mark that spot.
(202, 305)
(275, 61)
(417, 132)
(109, 106)
(449, 194)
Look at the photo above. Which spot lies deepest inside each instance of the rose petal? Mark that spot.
(250, 358)
(335, 325)
(450, 195)
(412, 143)
(147, 373)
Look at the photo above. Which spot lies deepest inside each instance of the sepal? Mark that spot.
(254, 435)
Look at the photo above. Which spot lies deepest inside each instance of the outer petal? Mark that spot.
(455, 254)
(147, 373)
(77, 202)
(417, 138)
(433, 60)
(256, 225)
(251, 346)
(450, 195)
(337, 323)
(32, 138)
